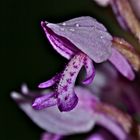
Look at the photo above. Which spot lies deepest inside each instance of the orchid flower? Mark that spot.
(82, 40)
(126, 92)
(124, 96)
(90, 112)
(124, 11)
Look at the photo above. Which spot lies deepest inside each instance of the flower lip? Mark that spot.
(69, 103)
(64, 95)
(67, 98)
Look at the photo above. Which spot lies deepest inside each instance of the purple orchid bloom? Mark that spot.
(127, 13)
(82, 40)
(90, 112)
(126, 92)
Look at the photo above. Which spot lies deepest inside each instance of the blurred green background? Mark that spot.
(27, 57)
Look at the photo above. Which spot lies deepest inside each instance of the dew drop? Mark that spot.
(77, 25)
(64, 24)
(101, 37)
(121, 42)
(71, 29)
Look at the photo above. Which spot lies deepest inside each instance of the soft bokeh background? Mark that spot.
(27, 57)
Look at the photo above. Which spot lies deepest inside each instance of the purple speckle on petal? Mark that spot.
(69, 102)
(65, 88)
(69, 81)
(75, 66)
(72, 73)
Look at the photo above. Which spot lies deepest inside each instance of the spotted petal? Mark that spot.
(67, 99)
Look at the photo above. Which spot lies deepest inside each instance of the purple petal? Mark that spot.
(63, 46)
(67, 99)
(83, 22)
(112, 126)
(44, 101)
(124, 92)
(86, 34)
(50, 136)
(101, 134)
(50, 82)
(119, 15)
(121, 64)
(136, 7)
(90, 71)
(67, 103)
(64, 95)
(126, 16)
(97, 137)
(80, 119)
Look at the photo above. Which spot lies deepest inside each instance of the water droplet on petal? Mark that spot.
(64, 24)
(77, 25)
(101, 37)
(71, 29)
(121, 42)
